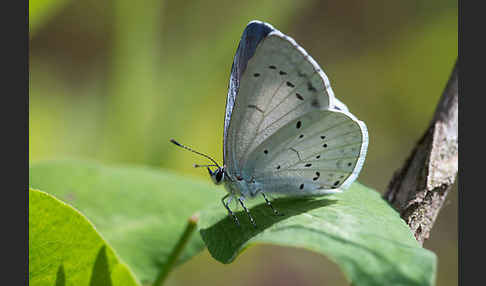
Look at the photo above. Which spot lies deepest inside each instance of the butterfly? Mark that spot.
(285, 132)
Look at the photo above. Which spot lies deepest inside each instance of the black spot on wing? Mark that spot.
(255, 107)
(301, 74)
(310, 87)
(315, 103)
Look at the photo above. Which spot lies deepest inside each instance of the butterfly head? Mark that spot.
(217, 176)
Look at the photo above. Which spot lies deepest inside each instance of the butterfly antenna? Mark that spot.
(194, 151)
(199, 166)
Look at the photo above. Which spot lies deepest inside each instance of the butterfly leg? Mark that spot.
(225, 204)
(247, 212)
(269, 204)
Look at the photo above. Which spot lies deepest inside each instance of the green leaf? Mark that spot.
(356, 229)
(140, 211)
(65, 248)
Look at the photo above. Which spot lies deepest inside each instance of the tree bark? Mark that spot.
(418, 190)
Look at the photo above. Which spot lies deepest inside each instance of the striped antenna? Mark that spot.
(194, 151)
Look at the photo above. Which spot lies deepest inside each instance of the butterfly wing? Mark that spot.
(316, 153)
(252, 36)
(273, 81)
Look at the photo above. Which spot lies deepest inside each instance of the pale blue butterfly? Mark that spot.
(284, 131)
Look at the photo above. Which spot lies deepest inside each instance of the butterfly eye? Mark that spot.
(219, 176)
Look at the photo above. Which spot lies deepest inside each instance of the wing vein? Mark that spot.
(320, 152)
(290, 93)
(287, 146)
(245, 153)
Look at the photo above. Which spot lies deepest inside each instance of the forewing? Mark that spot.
(317, 153)
(253, 34)
(280, 82)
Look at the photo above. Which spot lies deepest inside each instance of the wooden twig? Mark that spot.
(418, 190)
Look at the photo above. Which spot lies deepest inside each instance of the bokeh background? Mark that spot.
(113, 80)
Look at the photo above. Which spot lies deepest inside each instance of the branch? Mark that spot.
(177, 250)
(418, 190)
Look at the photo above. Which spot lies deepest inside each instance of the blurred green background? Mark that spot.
(114, 80)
